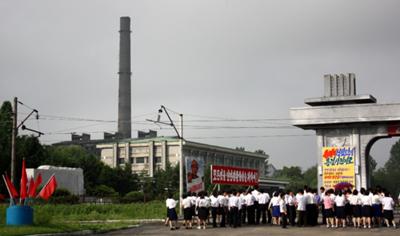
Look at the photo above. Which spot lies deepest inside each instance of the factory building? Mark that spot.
(146, 155)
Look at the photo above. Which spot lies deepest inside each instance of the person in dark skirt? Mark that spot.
(355, 203)
(328, 208)
(388, 206)
(202, 206)
(340, 203)
(172, 216)
(187, 211)
(376, 208)
(366, 210)
(347, 207)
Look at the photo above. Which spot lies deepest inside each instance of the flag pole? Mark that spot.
(44, 186)
(9, 193)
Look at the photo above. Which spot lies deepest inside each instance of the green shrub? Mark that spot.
(104, 191)
(134, 196)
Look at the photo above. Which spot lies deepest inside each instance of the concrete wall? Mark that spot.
(67, 178)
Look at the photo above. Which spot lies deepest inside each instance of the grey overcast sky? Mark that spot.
(210, 60)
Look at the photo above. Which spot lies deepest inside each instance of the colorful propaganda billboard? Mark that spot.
(338, 166)
(234, 175)
(194, 174)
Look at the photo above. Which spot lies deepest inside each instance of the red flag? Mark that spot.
(49, 188)
(38, 181)
(24, 180)
(31, 186)
(10, 186)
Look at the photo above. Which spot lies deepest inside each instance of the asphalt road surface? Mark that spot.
(160, 229)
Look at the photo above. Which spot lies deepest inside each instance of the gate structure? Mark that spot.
(346, 125)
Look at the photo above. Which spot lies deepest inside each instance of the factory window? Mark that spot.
(140, 160)
(157, 159)
(121, 160)
(131, 160)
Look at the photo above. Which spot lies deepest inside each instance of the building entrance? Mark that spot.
(346, 126)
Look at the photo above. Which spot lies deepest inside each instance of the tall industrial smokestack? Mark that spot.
(124, 92)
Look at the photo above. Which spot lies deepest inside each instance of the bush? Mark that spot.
(134, 196)
(61, 192)
(103, 191)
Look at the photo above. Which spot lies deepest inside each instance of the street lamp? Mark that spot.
(180, 136)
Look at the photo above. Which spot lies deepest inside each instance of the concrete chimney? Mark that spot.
(124, 92)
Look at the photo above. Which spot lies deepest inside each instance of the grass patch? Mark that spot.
(67, 218)
(60, 228)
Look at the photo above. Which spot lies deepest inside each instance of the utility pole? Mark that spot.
(13, 140)
(14, 134)
(181, 163)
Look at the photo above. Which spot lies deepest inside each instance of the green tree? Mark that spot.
(310, 177)
(77, 157)
(5, 140)
(389, 175)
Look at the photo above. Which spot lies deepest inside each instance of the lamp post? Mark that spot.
(180, 136)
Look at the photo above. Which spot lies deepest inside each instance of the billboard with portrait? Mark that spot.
(194, 174)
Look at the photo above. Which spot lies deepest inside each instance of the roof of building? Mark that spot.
(185, 143)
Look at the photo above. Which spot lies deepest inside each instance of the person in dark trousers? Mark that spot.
(291, 208)
(243, 207)
(214, 208)
(321, 203)
(283, 210)
(301, 208)
(262, 204)
(250, 208)
(256, 194)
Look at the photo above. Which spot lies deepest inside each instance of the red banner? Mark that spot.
(234, 175)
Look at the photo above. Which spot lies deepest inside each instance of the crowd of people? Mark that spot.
(366, 208)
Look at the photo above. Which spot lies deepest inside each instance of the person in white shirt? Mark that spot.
(262, 204)
(388, 206)
(274, 206)
(355, 203)
(243, 208)
(376, 207)
(202, 206)
(321, 203)
(172, 216)
(234, 210)
(340, 202)
(301, 202)
(283, 210)
(291, 208)
(214, 208)
(366, 201)
(187, 211)
(256, 193)
(250, 199)
(223, 204)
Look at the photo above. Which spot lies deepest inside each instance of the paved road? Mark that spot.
(159, 229)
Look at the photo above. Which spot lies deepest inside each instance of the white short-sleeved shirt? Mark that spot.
(301, 202)
(186, 203)
(376, 199)
(275, 201)
(388, 203)
(202, 202)
(282, 206)
(366, 200)
(171, 203)
(214, 201)
(355, 200)
(233, 201)
(249, 198)
(340, 201)
(263, 198)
